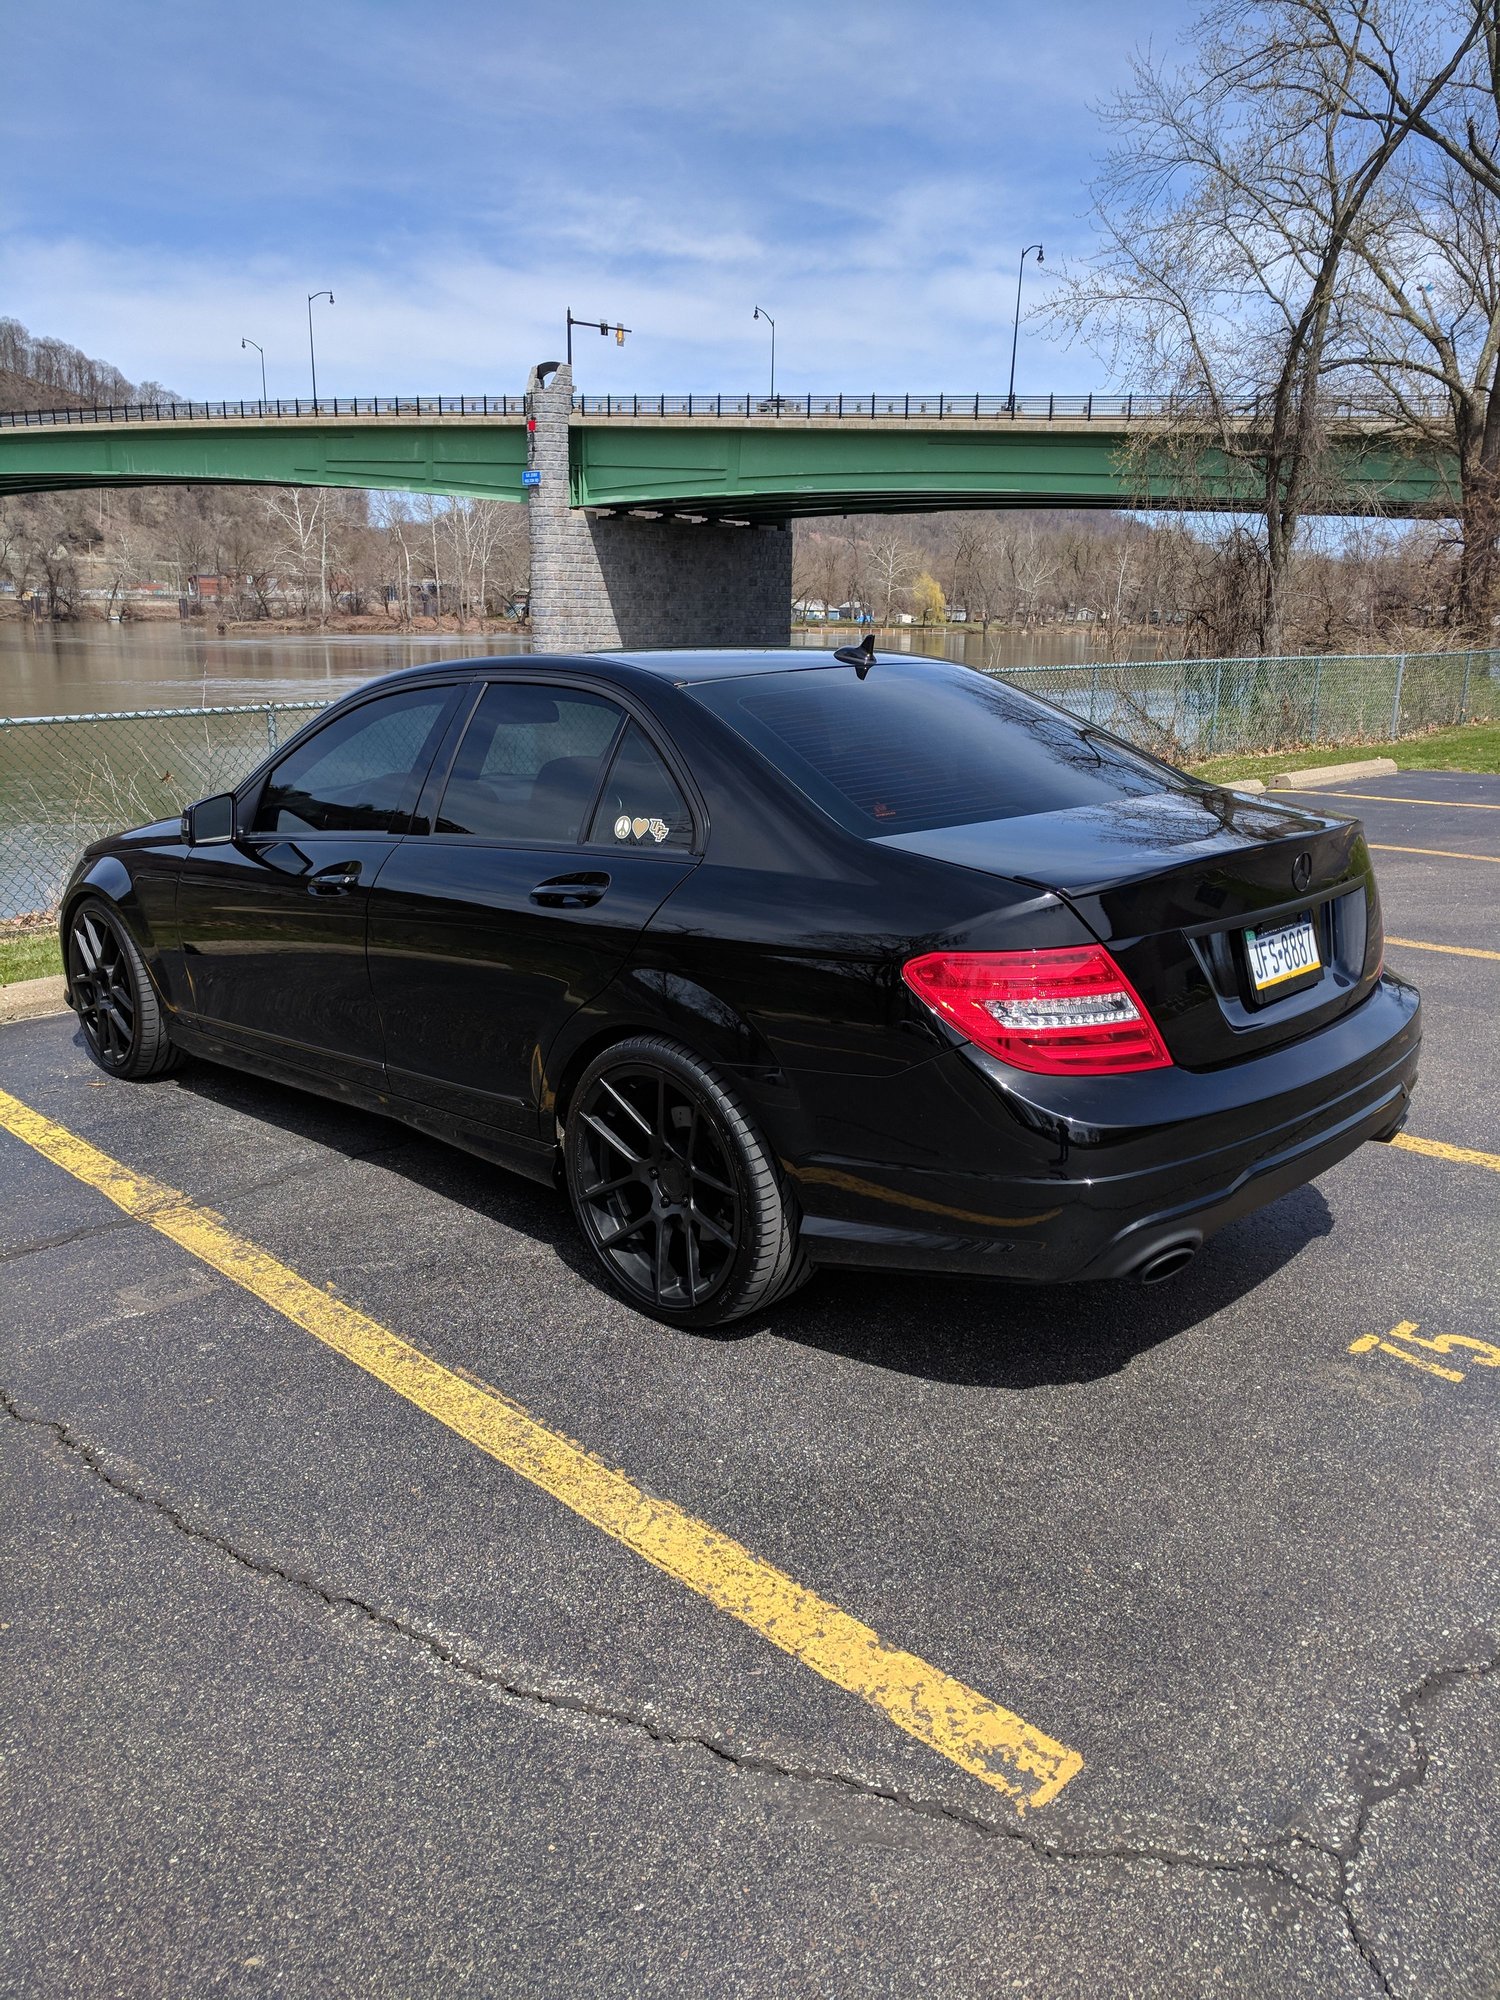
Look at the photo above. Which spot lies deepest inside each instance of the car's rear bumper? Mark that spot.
(1005, 1174)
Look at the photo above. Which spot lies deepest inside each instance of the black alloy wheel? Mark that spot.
(677, 1194)
(113, 996)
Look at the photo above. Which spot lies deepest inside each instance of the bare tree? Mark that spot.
(1427, 302)
(1227, 209)
(297, 517)
(893, 563)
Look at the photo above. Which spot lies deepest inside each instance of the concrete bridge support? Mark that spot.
(605, 581)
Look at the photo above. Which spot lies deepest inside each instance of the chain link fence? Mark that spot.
(67, 780)
(1187, 710)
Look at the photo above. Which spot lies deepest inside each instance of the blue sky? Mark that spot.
(179, 176)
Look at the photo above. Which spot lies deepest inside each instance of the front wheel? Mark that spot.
(680, 1199)
(112, 993)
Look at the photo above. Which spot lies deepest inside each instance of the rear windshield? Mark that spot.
(925, 745)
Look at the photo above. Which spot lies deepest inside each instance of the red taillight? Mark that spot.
(1069, 1012)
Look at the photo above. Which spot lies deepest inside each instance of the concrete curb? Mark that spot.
(1333, 774)
(30, 999)
(1247, 785)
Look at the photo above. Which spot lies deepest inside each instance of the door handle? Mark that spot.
(569, 892)
(335, 880)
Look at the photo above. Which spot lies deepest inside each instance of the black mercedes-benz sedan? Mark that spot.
(774, 959)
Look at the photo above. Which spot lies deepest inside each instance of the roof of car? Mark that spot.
(727, 663)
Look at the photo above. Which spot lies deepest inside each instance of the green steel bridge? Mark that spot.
(728, 458)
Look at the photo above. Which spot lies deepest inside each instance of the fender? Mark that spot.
(143, 895)
(645, 1000)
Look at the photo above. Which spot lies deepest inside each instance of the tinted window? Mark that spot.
(640, 805)
(530, 763)
(358, 774)
(921, 746)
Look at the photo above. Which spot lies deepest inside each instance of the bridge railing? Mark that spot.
(67, 779)
(941, 407)
(834, 406)
(325, 406)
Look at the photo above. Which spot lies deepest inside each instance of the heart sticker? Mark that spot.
(639, 826)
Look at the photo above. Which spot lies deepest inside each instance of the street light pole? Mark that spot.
(1015, 332)
(262, 353)
(312, 353)
(761, 313)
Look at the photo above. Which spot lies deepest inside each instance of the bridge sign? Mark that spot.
(531, 477)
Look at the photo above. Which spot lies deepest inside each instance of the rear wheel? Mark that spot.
(112, 993)
(680, 1198)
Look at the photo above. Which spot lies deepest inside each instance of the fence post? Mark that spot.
(1463, 699)
(1093, 691)
(1317, 696)
(1396, 702)
(1213, 720)
(270, 728)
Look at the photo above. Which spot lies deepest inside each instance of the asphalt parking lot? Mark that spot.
(328, 1673)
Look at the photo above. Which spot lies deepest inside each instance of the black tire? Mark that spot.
(677, 1194)
(116, 1004)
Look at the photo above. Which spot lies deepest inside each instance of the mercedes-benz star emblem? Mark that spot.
(1301, 872)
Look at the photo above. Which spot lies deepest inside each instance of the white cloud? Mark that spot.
(866, 169)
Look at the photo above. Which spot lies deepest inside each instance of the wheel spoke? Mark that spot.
(598, 1125)
(659, 1260)
(628, 1108)
(610, 1187)
(624, 1229)
(694, 1266)
(87, 943)
(711, 1180)
(705, 1221)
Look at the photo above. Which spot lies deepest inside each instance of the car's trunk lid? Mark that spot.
(1171, 882)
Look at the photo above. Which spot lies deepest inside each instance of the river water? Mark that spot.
(92, 669)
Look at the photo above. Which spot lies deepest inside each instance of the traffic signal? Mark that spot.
(619, 336)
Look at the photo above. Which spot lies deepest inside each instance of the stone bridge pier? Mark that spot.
(605, 581)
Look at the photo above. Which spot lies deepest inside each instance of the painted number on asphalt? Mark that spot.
(1477, 1353)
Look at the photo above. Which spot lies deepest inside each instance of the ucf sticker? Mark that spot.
(627, 828)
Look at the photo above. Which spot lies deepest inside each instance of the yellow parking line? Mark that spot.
(1457, 950)
(1390, 798)
(1442, 853)
(1466, 1156)
(977, 1734)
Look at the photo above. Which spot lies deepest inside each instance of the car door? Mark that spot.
(272, 923)
(558, 831)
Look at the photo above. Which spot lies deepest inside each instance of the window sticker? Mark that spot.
(627, 828)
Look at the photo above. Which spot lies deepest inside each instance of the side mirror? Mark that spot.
(211, 819)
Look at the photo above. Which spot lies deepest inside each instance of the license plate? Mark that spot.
(1276, 956)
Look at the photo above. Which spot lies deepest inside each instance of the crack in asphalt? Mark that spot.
(1379, 1789)
(1272, 1864)
(65, 1236)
